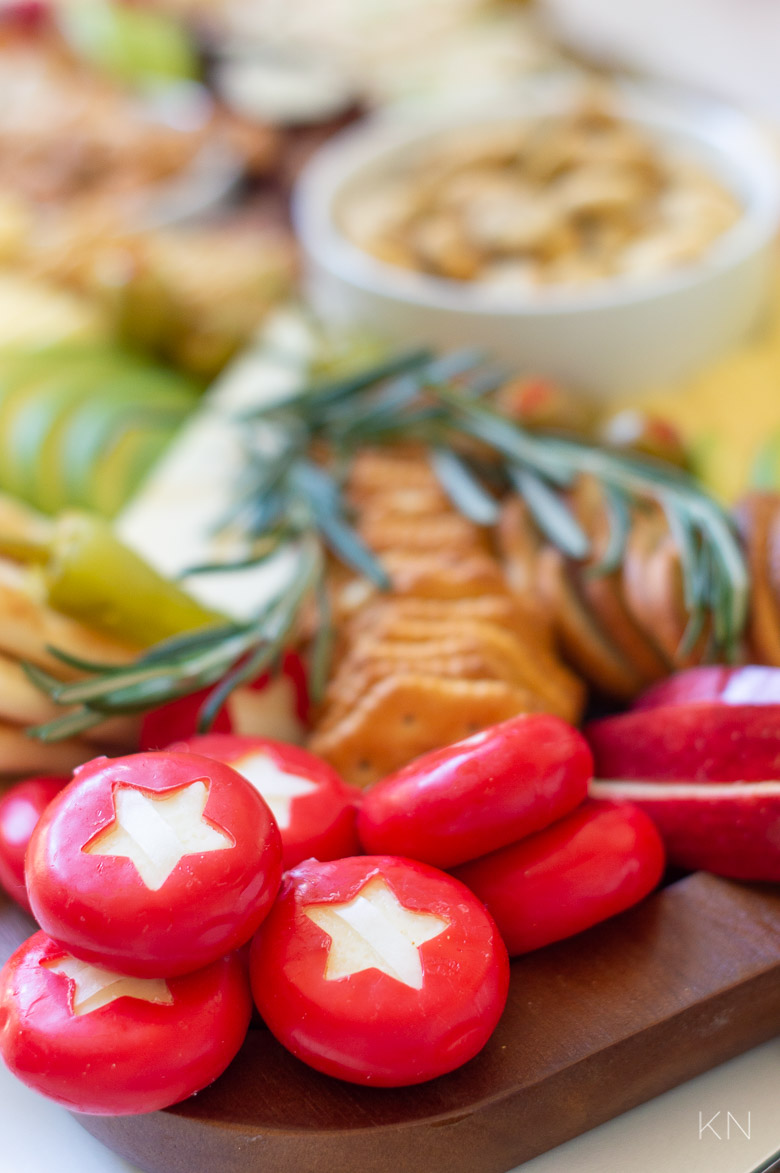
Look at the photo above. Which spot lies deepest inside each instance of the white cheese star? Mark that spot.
(375, 931)
(278, 788)
(94, 986)
(155, 831)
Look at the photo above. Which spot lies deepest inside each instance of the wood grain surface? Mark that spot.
(593, 1026)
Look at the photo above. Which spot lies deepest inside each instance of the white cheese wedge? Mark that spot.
(172, 520)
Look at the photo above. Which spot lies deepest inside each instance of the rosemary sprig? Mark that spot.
(288, 502)
(224, 656)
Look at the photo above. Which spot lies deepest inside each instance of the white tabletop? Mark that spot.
(662, 1135)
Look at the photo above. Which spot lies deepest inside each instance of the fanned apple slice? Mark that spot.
(756, 515)
(585, 644)
(703, 742)
(520, 546)
(748, 684)
(653, 586)
(603, 592)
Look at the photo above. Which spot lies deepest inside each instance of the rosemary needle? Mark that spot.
(292, 502)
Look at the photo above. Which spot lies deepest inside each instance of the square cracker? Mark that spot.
(351, 683)
(404, 716)
(524, 662)
(445, 532)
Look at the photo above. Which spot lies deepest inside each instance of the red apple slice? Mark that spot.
(751, 684)
(731, 828)
(705, 742)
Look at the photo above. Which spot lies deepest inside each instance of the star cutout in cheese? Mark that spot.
(278, 788)
(375, 931)
(94, 986)
(155, 831)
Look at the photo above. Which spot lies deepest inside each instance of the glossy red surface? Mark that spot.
(130, 1055)
(178, 720)
(322, 823)
(728, 828)
(99, 907)
(470, 798)
(370, 1027)
(706, 741)
(748, 684)
(20, 809)
(591, 865)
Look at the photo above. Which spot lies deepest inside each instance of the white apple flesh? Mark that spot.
(729, 828)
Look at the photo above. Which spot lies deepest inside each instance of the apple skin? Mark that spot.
(731, 829)
(749, 684)
(707, 741)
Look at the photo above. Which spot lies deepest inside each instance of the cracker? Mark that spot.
(604, 595)
(520, 547)
(379, 470)
(502, 609)
(347, 688)
(380, 617)
(28, 627)
(21, 703)
(449, 533)
(505, 657)
(401, 503)
(402, 717)
(653, 587)
(444, 575)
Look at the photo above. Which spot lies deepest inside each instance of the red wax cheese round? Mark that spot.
(314, 809)
(277, 705)
(108, 1044)
(379, 970)
(20, 809)
(154, 864)
(467, 799)
(596, 862)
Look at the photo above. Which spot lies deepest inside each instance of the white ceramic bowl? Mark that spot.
(614, 336)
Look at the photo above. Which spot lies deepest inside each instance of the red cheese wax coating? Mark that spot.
(314, 808)
(154, 864)
(74, 1033)
(596, 862)
(467, 799)
(20, 809)
(179, 719)
(379, 970)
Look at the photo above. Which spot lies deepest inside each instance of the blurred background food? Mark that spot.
(728, 414)
(148, 149)
(566, 199)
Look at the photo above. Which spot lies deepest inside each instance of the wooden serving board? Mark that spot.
(593, 1026)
